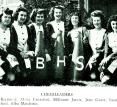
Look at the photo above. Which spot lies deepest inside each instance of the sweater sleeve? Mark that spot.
(50, 31)
(69, 44)
(13, 42)
(31, 37)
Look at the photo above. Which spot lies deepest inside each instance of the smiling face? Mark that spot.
(114, 25)
(22, 16)
(75, 20)
(57, 14)
(39, 18)
(97, 22)
(6, 19)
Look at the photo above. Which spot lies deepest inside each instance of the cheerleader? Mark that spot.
(8, 62)
(22, 43)
(109, 64)
(57, 42)
(96, 41)
(40, 45)
(76, 37)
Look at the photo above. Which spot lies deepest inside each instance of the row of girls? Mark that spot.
(40, 52)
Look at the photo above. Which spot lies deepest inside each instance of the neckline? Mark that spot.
(97, 30)
(16, 23)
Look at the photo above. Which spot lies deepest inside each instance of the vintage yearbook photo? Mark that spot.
(58, 51)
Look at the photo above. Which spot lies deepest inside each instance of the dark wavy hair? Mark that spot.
(35, 12)
(99, 13)
(19, 9)
(51, 13)
(112, 18)
(75, 13)
(8, 12)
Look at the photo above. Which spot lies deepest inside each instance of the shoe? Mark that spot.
(105, 79)
(16, 69)
(101, 75)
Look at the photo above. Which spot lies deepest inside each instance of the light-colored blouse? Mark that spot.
(112, 39)
(96, 38)
(4, 38)
(22, 34)
(58, 26)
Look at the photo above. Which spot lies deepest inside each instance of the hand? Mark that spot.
(3, 46)
(99, 50)
(85, 40)
(70, 55)
(30, 53)
(59, 32)
(48, 58)
(104, 61)
(56, 34)
(93, 59)
(24, 54)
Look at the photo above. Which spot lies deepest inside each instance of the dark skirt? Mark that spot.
(58, 67)
(38, 74)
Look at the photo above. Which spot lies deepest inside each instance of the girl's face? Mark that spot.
(97, 22)
(114, 25)
(39, 18)
(6, 19)
(57, 14)
(74, 20)
(22, 16)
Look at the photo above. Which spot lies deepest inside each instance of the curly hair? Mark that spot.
(35, 12)
(51, 13)
(75, 13)
(19, 9)
(8, 12)
(99, 13)
(112, 18)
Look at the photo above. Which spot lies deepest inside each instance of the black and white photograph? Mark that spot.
(58, 48)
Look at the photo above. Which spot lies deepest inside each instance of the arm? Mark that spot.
(12, 48)
(31, 37)
(50, 32)
(69, 45)
(107, 56)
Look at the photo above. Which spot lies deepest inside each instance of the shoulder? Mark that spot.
(48, 24)
(91, 30)
(15, 24)
(30, 25)
(103, 30)
(110, 34)
(62, 22)
(82, 29)
(26, 26)
(69, 33)
(12, 28)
